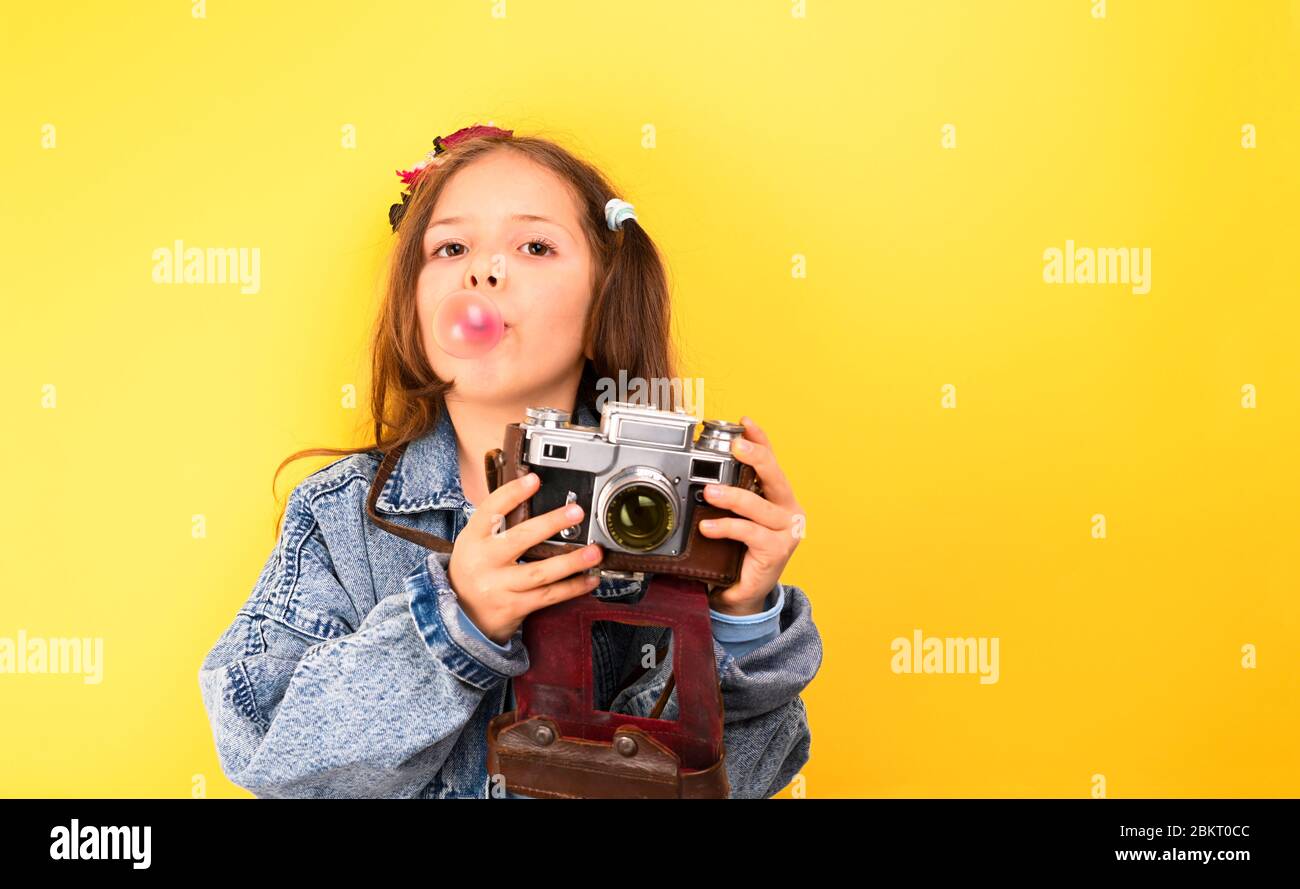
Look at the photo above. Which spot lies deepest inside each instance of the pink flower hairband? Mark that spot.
(410, 178)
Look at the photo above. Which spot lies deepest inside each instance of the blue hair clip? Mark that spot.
(617, 212)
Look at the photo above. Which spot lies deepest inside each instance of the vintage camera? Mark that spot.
(640, 480)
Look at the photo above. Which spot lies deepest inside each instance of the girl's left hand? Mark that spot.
(772, 528)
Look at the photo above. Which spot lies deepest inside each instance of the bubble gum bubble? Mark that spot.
(467, 324)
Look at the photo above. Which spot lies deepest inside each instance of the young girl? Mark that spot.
(363, 664)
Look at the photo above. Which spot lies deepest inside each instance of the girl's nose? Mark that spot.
(491, 272)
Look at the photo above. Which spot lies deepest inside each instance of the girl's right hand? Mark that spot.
(495, 592)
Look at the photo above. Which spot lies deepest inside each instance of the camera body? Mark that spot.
(639, 478)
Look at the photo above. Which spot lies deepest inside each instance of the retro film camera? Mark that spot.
(640, 480)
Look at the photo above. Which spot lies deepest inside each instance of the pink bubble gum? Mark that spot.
(467, 324)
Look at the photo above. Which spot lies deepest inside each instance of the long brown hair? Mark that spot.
(627, 328)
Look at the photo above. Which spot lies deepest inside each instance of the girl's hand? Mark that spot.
(495, 592)
(776, 528)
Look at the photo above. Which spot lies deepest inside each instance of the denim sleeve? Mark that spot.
(472, 628)
(765, 725)
(307, 700)
(742, 634)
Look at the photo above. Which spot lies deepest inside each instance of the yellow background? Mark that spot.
(776, 135)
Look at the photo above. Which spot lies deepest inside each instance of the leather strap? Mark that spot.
(423, 538)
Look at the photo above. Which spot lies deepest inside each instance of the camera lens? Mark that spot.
(639, 517)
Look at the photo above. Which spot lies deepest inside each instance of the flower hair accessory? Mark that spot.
(410, 178)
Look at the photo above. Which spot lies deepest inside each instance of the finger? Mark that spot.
(513, 542)
(775, 485)
(559, 591)
(542, 572)
(755, 432)
(748, 504)
(497, 504)
(752, 534)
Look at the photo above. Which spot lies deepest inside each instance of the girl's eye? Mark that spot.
(547, 245)
(438, 252)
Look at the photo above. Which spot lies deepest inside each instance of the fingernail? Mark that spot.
(593, 580)
(592, 554)
(573, 512)
(742, 445)
(712, 489)
(707, 524)
(530, 478)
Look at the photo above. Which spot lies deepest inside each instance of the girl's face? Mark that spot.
(538, 270)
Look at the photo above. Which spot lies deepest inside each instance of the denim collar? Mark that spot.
(427, 475)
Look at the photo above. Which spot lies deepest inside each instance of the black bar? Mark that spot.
(983, 836)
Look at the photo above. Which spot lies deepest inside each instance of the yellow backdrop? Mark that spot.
(858, 202)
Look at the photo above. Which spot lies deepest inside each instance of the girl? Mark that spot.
(364, 665)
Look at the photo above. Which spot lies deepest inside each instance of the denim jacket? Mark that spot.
(350, 670)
